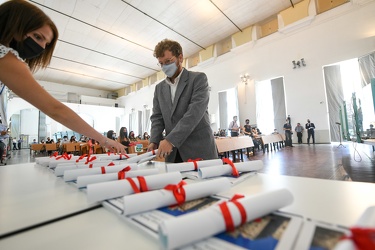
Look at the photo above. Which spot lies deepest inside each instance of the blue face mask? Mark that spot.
(169, 69)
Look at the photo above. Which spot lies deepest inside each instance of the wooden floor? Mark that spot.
(354, 162)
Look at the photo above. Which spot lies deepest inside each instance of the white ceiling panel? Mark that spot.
(108, 44)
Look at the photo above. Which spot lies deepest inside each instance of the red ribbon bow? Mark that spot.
(121, 174)
(195, 162)
(234, 169)
(90, 159)
(229, 224)
(363, 238)
(178, 191)
(81, 157)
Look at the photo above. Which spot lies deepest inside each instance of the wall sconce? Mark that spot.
(244, 78)
(145, 106)
(133, 109)
(299, 63)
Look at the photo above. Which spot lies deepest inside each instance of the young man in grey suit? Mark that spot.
(180, 108)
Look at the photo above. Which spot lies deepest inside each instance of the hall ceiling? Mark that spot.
(108, 44)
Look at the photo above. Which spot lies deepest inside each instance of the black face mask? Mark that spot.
(27, 49)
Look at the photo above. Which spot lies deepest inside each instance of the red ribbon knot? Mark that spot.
(178, 191)
(229, 224)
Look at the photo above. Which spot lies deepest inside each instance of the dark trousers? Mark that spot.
(288, 138)
(299, 136)
(233, 133)
(14, 146)
(310, 133)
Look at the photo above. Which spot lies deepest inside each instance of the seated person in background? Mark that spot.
(132, 136)
(275, 132)
(110, 134)
(247, 128)
(256, 137)
(139, 137)
(42, 141)
(48, 140)
(146, 136)
(34, 141)
(73, 139)
(123, 138)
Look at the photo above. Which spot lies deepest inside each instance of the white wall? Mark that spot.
(103, 117)
(343, 33)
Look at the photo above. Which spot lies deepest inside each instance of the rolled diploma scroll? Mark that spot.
(142, 202)
(83, 181)
(113, 189)
(44, 161)
(60, 168)
(227, 169)
(189, 166)
(142, 156)
(367, 220)
(72, 175)
(195, 226)
(115, 157)
(53, 162)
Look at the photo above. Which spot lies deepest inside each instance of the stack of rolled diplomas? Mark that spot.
(202, 224)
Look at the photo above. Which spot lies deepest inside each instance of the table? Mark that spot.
(336, 202)
(227, 144)
(271, 140)
(32, 194)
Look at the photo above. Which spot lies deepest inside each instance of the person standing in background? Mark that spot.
(180, 108)
(19, 142)
(299, 130)
(288, 133)
(234, 127)
(14, 141)
(310, 131)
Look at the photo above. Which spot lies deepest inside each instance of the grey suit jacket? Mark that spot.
(186, 120)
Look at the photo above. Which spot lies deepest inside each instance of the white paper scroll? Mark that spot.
(83, 181)
(72, 175)
(73, 160)
(189, 166)
(205, 223)
(367, 220)
(227, 169)
(113, 189)
(141, 157)
(142, 202)
(115, 157)
(45, 161)
(60, 168)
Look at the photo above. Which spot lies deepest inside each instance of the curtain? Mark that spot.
(279, 109)
(335, 98)
(367, 68)
(223, 112)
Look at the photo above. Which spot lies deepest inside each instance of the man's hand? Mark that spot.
(165, 148)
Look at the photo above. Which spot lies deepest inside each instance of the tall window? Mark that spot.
(228, 107)
(264, 102)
